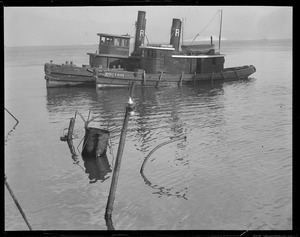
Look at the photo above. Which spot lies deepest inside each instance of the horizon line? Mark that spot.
(86, 44)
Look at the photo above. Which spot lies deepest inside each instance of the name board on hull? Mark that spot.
(114, 74)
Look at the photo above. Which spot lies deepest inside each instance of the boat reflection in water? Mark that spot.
(74, 155)
(97, 168)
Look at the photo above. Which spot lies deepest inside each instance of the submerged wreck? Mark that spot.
(148, 65)
(95, 142)
(95, 139)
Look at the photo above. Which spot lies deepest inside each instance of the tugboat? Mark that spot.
(165, 65)
(112, 48)
(151, 65)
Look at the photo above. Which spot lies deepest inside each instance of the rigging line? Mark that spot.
(92, 119)
(85, 127)
(205, 26)
(83, 146)
(147, 38)
(79, 144)
(132, 29)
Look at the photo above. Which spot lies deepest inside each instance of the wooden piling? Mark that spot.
(181, 78)
(144, 78)
(109, 224)
(160, 77)
(237, 74)
(223, 75)
(114, 181)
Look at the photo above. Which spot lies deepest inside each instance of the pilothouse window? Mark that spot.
(109, 40)
(125, 42)
(154, 54)
(118, 42)
(102, 40)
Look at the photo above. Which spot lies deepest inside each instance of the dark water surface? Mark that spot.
(234, 171)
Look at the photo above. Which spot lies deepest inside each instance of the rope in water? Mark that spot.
(17, 203)
(157, 147)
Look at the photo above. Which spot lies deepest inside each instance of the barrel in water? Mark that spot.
(95, 142)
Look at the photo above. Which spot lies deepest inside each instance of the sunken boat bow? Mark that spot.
(95, 142)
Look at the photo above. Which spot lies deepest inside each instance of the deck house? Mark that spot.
(112, 49)
(165, 59)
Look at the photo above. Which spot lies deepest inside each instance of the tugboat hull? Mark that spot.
(110, 78)
(68, 75)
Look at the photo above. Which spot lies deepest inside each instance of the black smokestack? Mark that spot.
(140, 33)
(175, 34)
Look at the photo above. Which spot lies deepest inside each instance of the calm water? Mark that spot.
(234, 171)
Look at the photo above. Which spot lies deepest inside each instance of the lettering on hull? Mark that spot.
(114, 74)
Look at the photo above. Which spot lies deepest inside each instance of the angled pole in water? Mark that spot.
(12, 116)
(71, 127)
(114, 181)
(16, 202)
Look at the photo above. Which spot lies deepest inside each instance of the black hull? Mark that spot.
(113, 78)
(68, 75)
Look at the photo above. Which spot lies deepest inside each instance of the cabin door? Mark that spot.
(199, 65)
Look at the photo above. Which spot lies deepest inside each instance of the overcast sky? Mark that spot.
(79, 25)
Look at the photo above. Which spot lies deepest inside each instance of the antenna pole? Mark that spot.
(220, 30)
(182, 30)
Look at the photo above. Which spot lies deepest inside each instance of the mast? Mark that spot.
(182, 30)
(220, 30)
